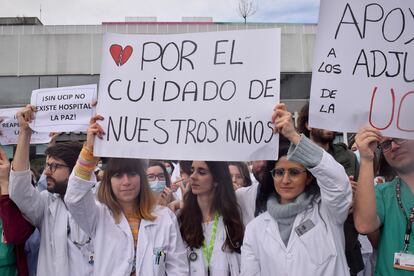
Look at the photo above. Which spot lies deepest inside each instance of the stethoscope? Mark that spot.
(192, 256)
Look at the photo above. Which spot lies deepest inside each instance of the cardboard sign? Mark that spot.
(363, 68)
(9, 129)
(202, 96)
(63, 109)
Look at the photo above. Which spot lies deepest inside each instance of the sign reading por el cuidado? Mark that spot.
(200, 96)
(363, 68)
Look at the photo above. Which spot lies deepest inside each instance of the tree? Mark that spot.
(247, 8)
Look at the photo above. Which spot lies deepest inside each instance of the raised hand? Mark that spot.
(25, 116)
(165, 197)
(283, 123)
(367, 140)
(94, 129)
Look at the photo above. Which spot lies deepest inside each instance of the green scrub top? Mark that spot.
(7, 256)
(392, 228)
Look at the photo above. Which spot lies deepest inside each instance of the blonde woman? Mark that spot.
(133, 236)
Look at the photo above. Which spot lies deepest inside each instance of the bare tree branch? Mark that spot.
(246, 9)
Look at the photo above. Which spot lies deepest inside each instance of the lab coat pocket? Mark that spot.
(318, 244)
(219, 268)
(159, 257)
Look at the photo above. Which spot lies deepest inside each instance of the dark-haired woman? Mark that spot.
(210, 221)
(133, 236)
(240, 175)
(160, 182)
(308, 197)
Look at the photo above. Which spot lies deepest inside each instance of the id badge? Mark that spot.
(404, 261)
(304, 227)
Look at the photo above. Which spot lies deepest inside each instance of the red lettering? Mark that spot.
(371, 107)
(399, 112)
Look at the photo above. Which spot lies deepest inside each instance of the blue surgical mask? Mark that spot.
(169, 170)
(157, 186)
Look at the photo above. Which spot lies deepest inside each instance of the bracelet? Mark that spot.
(86, 164)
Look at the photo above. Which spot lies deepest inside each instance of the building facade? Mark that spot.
(35, 56)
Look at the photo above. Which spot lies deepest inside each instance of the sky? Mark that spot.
(80, 12)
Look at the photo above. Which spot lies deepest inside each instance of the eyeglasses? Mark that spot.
(293, 173)
(152, 177)
(386, 145)
(54, 166)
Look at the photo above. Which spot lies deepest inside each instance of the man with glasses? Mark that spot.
(325, 138)
(65, 249)
(388, 207)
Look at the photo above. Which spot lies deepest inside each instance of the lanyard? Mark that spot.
(208, 251)
(409, 219)
(135, 248)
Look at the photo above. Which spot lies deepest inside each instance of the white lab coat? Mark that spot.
(220, 261)
(319, 251)
(58, 255)
(114, 243)
(246, 198)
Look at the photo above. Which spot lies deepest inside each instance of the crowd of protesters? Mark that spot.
(304, 213)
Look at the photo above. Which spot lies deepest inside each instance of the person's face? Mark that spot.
(155, 172)
(236, 177)
(354, 147)
(126, 187)
(185, 177)
(201, 178)
(157, 180)
(259, 169)
(57, 175)
(400, 156)
(322, 135)
(289, 185)
(168, 167)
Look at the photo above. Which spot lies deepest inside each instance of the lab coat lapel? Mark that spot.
(143, 237)
(220, 240)
(272, 231)
(58, 221)
(53, 207)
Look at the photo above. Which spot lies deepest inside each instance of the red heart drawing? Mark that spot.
(120, 55)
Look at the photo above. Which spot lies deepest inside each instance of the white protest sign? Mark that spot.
(63, 109)
(9, 129)
(201, 96)
(363, 68)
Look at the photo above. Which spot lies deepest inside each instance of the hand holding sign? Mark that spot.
(25, 116)
(367, 140)
(94, 129)
(283, 123)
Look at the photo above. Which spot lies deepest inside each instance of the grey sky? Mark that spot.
(75, 12)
